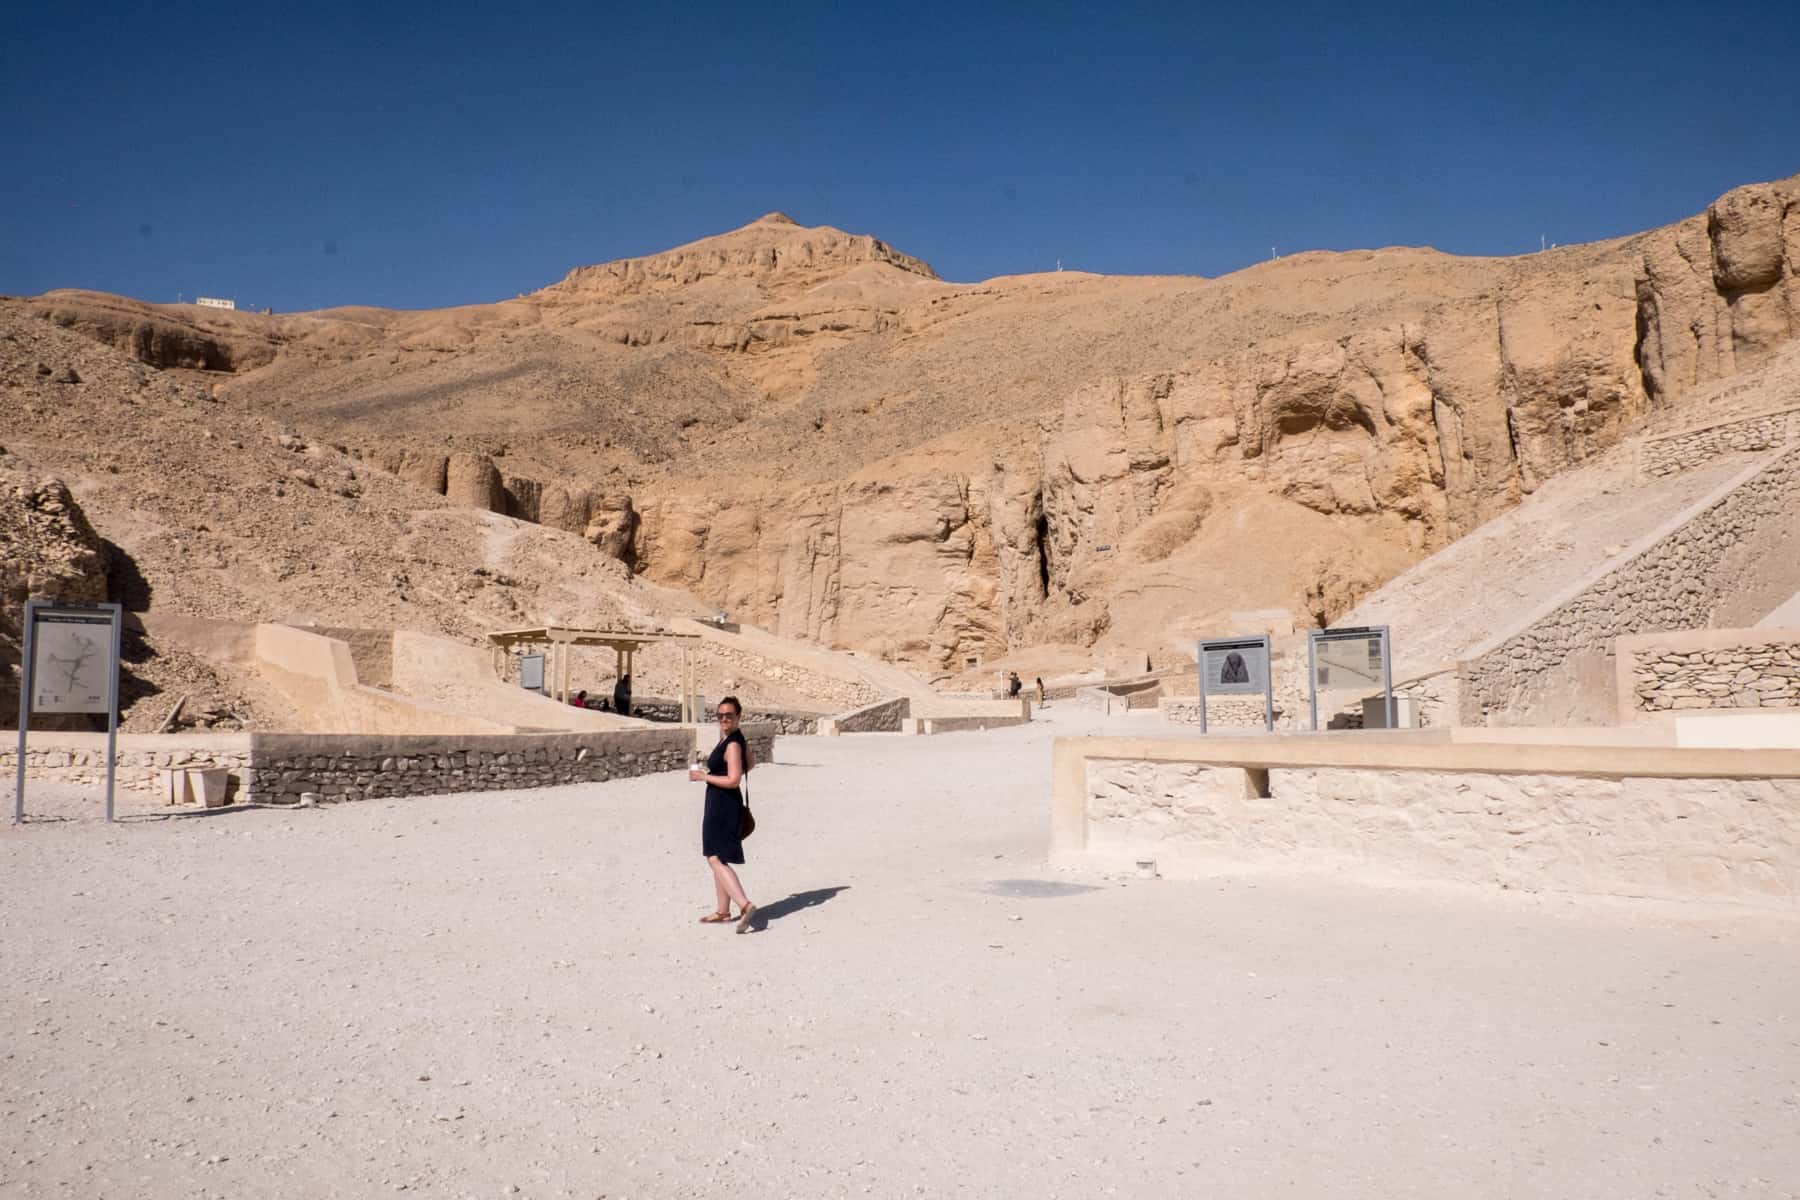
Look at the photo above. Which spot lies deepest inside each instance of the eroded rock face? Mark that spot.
(47, 551)
(1718, 293)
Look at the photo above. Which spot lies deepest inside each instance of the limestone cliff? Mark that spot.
(812, 430)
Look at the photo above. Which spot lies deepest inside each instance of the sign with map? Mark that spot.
(73, 668)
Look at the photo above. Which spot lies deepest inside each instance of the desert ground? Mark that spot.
(508, 994)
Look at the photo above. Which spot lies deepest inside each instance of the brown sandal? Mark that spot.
(716, 918)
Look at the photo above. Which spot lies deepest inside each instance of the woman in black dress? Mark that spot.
(720, 829)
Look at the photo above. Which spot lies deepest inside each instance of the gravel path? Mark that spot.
(508, 994)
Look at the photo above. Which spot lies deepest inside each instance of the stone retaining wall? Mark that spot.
(1708, 669)
(1678, 452)
(277, 768)
(1744, 544)
(1222, 712)
(338, 767)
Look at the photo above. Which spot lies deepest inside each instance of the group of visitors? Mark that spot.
(1014, 685)
(621, 698)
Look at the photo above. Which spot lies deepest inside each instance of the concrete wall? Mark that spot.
(1712, 825)
(1725, 562)
(80, 758)
(1674, 453)
(372, 650)
(884, 716)
(1707, 669)
(318, 676)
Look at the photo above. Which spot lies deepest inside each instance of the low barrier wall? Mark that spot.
(1713, 825)
(280, 768)
(931, 725)
(80, 758)
(1707, 669)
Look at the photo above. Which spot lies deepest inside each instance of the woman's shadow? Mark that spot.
(759, 920)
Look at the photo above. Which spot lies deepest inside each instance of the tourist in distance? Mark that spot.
(580, 700)
(622, 696)
(721, 829)
(1013, 684)
(1040, 683)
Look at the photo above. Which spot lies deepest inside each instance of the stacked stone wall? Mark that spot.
(1758, 675)
(344, 768)
(1678, 452)
(1679, 582)
(283, 768)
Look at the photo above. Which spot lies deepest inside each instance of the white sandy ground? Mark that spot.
(507, 993)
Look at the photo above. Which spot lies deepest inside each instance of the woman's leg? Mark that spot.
(726, 881)
(721, 900)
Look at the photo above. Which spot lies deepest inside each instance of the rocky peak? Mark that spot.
(771, 249)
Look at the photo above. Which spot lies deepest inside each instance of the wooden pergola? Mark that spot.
(556, 642)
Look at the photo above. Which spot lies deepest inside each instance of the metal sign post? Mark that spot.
(70, 664)
(1237, 667)
(1325, 653)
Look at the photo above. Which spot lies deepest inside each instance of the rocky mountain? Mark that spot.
(815, 432)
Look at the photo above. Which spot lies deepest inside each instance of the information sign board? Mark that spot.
(70, 664)
(531, 672)
(1355, 659)
(1236, 667)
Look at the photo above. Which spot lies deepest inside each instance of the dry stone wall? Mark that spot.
(1678, 452)
(1680, 582)
(285, 768)
(1757, 675)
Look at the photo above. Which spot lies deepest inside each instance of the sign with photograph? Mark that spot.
(1239, 668)
(1236, 667)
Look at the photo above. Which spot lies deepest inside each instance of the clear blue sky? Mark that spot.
(303, 156)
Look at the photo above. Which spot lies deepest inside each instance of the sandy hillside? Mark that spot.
(209, 509)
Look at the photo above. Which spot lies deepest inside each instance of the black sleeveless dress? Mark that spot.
(724, 807)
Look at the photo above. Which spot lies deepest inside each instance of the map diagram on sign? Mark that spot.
(70, 666)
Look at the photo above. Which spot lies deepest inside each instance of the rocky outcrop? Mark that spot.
(47, 551)
(771, 245)
(157, 335)
(1718, 293)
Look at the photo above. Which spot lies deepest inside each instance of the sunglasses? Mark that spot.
(728, 716)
